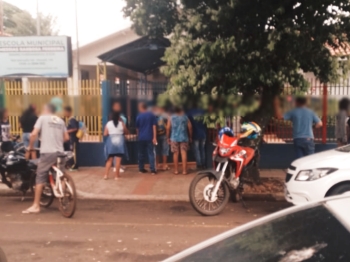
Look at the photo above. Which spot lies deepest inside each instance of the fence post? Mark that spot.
(324, 114)
(105, 102)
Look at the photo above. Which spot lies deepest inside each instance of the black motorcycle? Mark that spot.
(19, 173)
(16, 171)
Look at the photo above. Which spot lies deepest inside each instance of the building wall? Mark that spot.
(88, 54)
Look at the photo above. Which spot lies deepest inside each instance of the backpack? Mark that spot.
(161, 126)
(82, 130)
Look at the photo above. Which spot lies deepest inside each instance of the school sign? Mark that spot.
(44, 56)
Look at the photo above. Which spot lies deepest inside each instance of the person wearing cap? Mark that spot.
(58, 103)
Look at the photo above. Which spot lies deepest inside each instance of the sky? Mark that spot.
(96, 18)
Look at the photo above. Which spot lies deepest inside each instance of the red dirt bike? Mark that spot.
(210, 190)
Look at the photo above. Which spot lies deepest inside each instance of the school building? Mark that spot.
(125, 66)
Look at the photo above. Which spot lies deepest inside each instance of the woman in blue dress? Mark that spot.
(115, 143)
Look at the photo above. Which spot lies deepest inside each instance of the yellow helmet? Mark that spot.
(251, 130)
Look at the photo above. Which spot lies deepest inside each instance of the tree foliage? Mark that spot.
(18, 22)
(225, 53)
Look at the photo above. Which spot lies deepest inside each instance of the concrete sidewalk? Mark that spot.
(165, 186)
(135, 186)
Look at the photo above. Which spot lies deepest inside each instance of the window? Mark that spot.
(311, 235)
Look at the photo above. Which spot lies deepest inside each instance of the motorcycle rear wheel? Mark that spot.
(68, 203)
(200, 186)
(47, 196)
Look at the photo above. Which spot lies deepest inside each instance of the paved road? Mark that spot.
(114, 231)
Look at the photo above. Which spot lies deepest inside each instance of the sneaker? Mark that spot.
(121, 170)
(143, 171)
(154, 173)
(73, 170)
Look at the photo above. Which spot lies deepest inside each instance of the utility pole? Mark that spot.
(76, 73)
(38, 29)
(77, 32)
(1, 18)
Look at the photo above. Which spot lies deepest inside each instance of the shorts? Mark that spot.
(26, 139)
(162, 148)
(177, 146)
(46, 161)
(115, 155)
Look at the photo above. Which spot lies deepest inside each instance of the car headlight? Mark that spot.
(314, 174)
(224, 151)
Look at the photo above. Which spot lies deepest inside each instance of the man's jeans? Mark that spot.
(304, 147)
(198, 148)
(146, 147)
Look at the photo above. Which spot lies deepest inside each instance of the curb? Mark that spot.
(182, 198)
(278, 197)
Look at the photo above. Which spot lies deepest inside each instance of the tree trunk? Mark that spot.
(262, 116)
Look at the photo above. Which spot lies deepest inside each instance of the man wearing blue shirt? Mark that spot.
(146, 128)
(199, 136)
(303, 120)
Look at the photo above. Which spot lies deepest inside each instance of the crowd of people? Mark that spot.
(27, 122)
(158, 132)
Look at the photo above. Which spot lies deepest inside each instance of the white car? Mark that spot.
(314, 232)
(317, 176)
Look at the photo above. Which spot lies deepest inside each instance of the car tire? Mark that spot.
(339, 190)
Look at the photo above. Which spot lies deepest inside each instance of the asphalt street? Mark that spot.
(114, 230)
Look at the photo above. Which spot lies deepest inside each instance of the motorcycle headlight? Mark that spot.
(224, 151)
(314, 174)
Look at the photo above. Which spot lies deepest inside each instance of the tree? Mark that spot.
(228, 52)
(18, 22)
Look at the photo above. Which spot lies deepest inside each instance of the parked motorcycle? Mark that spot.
(19, 173)
(16, 171)
(210, 190)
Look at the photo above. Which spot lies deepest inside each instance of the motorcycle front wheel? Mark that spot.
(201, 190)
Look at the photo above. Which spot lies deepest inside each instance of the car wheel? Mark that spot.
(339, 190)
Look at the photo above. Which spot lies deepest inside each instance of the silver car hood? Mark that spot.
(330, 158)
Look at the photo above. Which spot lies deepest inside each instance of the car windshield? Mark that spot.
(308, 235)
(345, 149)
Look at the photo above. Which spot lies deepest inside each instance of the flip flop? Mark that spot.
(28, 211)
